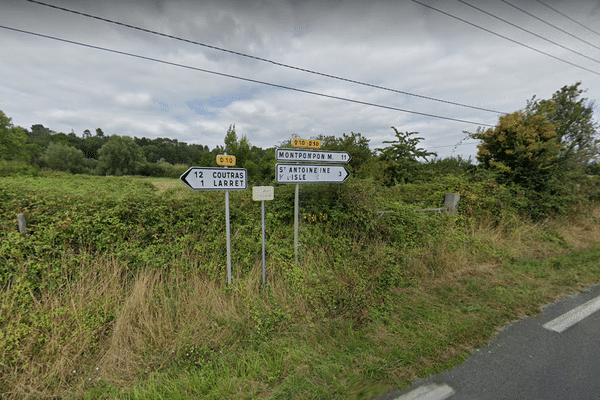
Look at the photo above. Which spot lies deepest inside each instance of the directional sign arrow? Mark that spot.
(323, 156)
(198, 178)
(310, 173)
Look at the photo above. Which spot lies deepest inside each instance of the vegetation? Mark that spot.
(118, 289)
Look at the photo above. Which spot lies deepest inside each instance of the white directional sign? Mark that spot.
(337, 157)
(310, 173)
(199, 178)
(261, 193)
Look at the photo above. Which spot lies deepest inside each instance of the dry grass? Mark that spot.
(109, 326)
(62, 331)
(157, 316)
(162, 185)
(581, 232)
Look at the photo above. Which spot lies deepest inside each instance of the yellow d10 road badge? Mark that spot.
(223, 159)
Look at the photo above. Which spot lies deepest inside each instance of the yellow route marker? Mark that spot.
(313, 144)
(223, 159)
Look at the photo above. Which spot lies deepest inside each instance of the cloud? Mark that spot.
(399, 45)
(133, 100)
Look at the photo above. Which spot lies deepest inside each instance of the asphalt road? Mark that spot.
(528, 360)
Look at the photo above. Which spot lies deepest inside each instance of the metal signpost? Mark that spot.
(200, 178)
(262, 193)
(309, 173)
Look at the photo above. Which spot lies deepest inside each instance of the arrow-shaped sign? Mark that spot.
(198, 178)
(297, 155)
(310, 173)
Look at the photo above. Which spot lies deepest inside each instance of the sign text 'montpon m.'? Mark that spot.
(323, 156)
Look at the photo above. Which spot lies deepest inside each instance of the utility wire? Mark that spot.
(258, 58)
(569, 18)
(552, 25)
(528, 31)
(237, 77)
(507, 38)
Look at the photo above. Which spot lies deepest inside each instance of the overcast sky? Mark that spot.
(399, 45)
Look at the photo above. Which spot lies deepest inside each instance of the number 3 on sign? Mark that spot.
(223, 159)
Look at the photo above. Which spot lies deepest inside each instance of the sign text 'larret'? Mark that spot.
(216, 178)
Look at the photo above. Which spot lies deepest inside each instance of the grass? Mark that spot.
(360, 316)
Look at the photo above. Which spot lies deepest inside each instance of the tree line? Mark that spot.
(537, 151)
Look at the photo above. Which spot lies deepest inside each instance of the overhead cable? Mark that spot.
(258, 58)
(528, 31)
(569, 18)
(237, 77)
(507, 38)
(552, 25)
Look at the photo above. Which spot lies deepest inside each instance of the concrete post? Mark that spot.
(451, 202)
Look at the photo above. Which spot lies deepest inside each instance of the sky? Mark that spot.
(448, 67)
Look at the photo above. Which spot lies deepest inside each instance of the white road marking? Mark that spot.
(574, 316)
(428, 392)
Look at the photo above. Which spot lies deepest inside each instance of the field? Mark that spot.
(119, 289)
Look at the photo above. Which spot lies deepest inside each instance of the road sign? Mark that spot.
(310, 173)
(315, 144)
(224, 159)
(198, 178)
(261, 193)
(337, 157)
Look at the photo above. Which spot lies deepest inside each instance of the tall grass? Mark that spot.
(375, 301)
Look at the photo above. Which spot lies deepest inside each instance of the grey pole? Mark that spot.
(296, 221)
(263, 241)
(228, 233)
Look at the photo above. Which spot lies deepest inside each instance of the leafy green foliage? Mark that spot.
(576, 130)
(402, 158)
(448, 166)
(12, 140)
(354, 144)
(522, 148)
(62, 157)
(358, 283)
(120, 156)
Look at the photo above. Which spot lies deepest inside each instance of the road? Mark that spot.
(555, 355)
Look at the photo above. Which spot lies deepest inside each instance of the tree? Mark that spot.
(12, 140)
(62, 157)
(523, 148)
(354, 144)
(231, 141)
(576, 130)
(99, 132)
(39, 131)
(402, 158)
(120, 156)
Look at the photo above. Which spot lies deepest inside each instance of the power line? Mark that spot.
(237, 77)
(569, 18)
(258, 58)
(528, 31)
(507, 38)
(552, 25)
